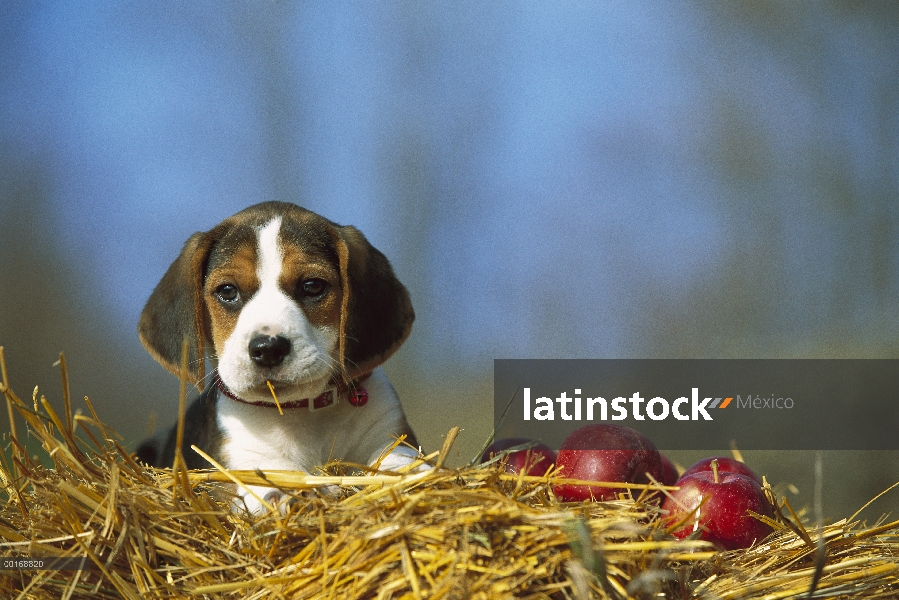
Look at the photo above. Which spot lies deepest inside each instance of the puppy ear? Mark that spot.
(376, 313)
(175, 311)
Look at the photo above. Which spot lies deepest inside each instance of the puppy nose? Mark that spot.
(268, 351)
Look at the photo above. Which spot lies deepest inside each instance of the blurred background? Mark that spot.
(577, 180)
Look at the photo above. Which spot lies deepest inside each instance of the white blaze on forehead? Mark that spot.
(270, 255)
(269, 311)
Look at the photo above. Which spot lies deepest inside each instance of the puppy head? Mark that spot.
(280, 294)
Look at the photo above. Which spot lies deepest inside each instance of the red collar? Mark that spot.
(356, 395)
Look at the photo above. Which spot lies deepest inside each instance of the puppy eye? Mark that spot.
(314, 287)
(227, 293)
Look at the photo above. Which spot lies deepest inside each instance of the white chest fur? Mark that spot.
(259, 437)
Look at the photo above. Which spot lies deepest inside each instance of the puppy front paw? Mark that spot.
(258, 502)
(399, 457)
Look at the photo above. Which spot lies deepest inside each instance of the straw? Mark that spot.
(473, 532)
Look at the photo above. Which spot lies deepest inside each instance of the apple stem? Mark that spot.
(715, 470)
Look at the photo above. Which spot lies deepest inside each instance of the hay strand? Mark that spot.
(474, 532)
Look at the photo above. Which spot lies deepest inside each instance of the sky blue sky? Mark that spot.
(549, 179)
(545, 177)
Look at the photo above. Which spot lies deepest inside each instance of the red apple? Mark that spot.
(669, 471)
(605, 453)
(725, 465)
(537, 458)
(721, 518)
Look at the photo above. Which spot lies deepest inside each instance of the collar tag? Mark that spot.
(324, 400)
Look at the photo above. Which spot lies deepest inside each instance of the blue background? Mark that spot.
(550, 180)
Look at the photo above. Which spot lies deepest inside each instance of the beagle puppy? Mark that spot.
(297, 313)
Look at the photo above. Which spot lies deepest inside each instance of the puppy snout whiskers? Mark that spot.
(267, 351)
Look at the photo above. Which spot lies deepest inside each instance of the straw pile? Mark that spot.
(475, 532)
